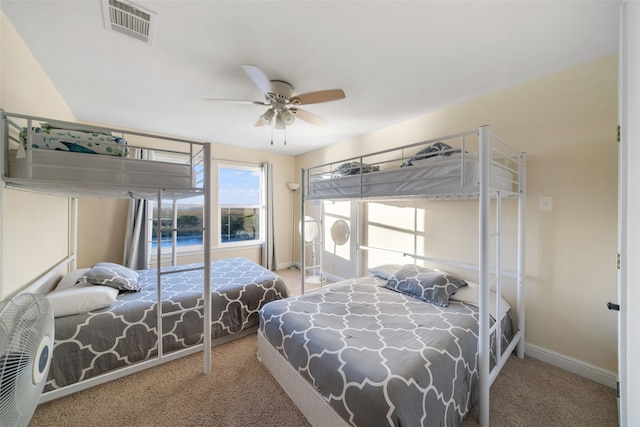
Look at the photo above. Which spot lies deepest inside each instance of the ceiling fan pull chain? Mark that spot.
(272, 132)
(285, 135)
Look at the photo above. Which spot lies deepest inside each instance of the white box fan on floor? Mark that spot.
(26, 346)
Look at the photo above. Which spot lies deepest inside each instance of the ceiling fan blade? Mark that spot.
(259, 78)
(235, 101)
(307, 116)
(318, 97)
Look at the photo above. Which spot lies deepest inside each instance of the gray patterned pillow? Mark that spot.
(113, 275)
(385, 271)
(424, 283)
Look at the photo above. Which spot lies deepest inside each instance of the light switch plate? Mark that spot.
(546, 203)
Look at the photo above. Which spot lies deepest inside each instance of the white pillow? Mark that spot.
(80, 299)
(71, 278)
(470, 294)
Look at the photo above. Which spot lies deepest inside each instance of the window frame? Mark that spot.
(260, 206)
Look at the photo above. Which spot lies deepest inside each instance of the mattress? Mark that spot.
(92, 343)
(379, 357)
(434, 176)
(78, 173)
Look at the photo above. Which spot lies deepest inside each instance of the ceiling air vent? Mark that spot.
(129, 19)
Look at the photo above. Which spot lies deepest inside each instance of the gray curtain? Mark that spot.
(136, 251)
(269, 245)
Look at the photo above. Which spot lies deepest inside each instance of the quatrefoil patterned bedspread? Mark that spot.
(89, 344)
(378, 357)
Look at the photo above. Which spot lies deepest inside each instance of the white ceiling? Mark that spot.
(395, 60)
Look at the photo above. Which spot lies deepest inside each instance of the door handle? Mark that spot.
(612, 306)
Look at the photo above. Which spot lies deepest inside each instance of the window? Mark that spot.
(239, 213)
(189, 215)
(240, 201)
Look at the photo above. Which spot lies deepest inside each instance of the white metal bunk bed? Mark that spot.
(33, 160)
(478, 165)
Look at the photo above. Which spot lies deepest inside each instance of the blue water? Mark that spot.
(197, 240)
(181, 241)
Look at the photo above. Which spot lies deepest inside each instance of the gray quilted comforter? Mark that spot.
(89, 344)
(379, 357)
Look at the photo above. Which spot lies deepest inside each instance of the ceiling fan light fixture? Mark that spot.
(286, 117)
(268, 115)
(279, 123)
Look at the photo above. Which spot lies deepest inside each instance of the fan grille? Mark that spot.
(25, 322)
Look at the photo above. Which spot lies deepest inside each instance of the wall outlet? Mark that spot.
(546, 203)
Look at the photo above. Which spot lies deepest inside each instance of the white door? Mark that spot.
(629, 212)
(622, 221)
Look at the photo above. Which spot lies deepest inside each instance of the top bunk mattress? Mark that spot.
(78, 174)
(440, 176)
(79, 160)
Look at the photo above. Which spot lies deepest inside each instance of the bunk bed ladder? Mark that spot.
(206, 267)
(313, 273)
(486, 192)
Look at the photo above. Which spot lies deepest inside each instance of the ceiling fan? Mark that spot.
(281, 102)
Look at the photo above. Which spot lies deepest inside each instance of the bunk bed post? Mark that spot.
(159, 271)
(498, 267)
(73, 233)
(174, 233)
(3, 160)
(484, 230)
(522, 205)
(207, 258)
(303, 192)
(355, 250)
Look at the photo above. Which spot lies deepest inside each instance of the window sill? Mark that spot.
(183, 251)
(236, 245)
(199, 250)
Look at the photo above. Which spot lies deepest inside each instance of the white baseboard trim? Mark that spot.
(286, 265)
(572, 365)
(333, 278)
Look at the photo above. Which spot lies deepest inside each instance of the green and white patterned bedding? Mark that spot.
(74, 140)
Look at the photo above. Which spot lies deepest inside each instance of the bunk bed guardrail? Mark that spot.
(445, 167)
(125, 163)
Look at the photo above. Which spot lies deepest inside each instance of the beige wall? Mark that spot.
(34, 227)
(566, 123)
